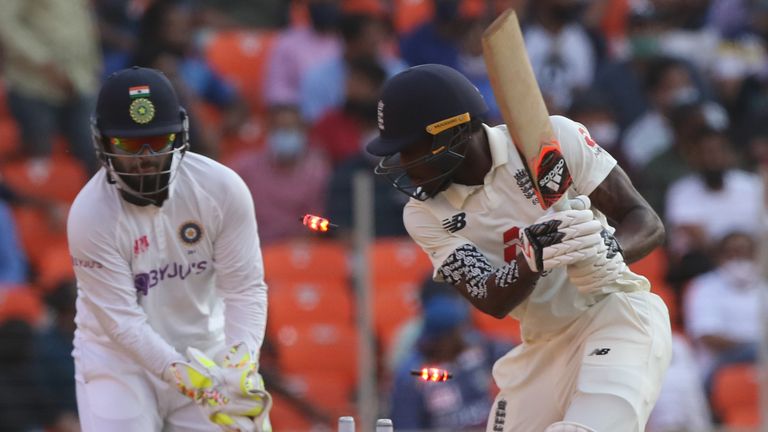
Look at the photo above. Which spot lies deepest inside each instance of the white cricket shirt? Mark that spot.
(489, 216)
(154, 280)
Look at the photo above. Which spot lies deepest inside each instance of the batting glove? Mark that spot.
(561, 238)
(232, 395)
(592, 275)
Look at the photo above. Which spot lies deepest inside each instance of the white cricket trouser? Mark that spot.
(126, 398)
(604, 371)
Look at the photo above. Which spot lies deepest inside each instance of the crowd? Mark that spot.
(676, 90)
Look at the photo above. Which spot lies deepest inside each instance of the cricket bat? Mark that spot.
(522, 107)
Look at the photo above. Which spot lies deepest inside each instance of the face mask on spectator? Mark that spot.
(741, 273)
(286, 144)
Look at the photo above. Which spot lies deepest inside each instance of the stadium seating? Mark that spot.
(735, 395)
(319, 348)
(305, 261)
(292, 303)
(59, 179)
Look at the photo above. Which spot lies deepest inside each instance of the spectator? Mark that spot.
(299, 48)
(447, 342)
(694, 205)
(667, 84)
(561, 52)
(452, 37)
(671, 164)
(13, 267)
(166, 42)
(322, 87)
(723, 307)
(286, 179)
(51, 68)
(340, 131)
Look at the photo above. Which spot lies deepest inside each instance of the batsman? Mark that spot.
(596, 341)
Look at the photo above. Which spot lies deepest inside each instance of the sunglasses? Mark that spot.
(155, 143)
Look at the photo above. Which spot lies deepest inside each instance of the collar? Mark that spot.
(499, 143)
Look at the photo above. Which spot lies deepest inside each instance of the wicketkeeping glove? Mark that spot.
(231, 395)
(561, 238)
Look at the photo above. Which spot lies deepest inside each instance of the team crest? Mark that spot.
(142, 110)
(190, 232)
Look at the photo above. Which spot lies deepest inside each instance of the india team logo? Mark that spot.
(142, 110)
(190, 232)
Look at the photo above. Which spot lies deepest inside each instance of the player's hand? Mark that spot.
(600, 271)
(231, 395)
(561, 238)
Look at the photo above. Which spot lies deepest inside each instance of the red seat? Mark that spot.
(305, 261)
(398, 260)
(241, 57)
(22, 303)
(735, 395)
(320, 348)
(298, 303)
(394, 304)
(59, 179)
(38, 233)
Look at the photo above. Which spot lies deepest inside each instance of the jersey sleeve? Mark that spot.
(239, 266)
(106, 288)
(425, 229)
(588, 163)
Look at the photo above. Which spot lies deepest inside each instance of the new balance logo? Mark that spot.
(553, 178)
(600, 351)
(455, 222)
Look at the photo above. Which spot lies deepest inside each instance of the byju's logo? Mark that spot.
(146, 280)
(455, 222)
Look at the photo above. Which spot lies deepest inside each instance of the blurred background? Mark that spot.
(284, 92)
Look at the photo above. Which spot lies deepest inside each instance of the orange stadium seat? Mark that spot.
(398, 259)
(506, 329)
(59, 179)
(320, 348)
(653, 266)
(292, 303)
(54, 266)
(21, 302)
(37, 234)
(409, 14)
(286, 417)
(735, 395)
(394, 304)
(298, 260)
(327, 391)
(241, 57)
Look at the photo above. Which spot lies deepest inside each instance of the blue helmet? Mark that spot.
(425, 102)
(134, 104)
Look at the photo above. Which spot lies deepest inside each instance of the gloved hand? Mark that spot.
(601, 270)
(562, 237)
(231, 395)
